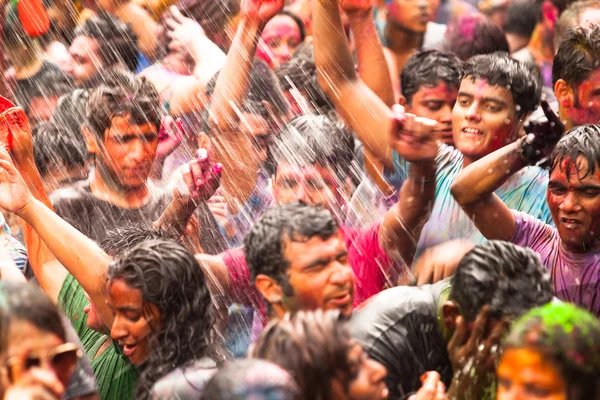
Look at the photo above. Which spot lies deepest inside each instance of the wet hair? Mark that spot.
(52, 144)
(50, 82)
(568, 338)
(312, 346)
(427, 68)
(121, 94)
(212, 15)
(508, 278)
(118, 240)
(117, 42)
(473, 34)
(578, 56)
(300, 72)
(297, 20)
(169, 277)
(265, 243)
(26, 302)
(498, 69)
(522, 16)
(316, 139)
(69, 113)
(581, 141)
(569, 19)
(256, 379)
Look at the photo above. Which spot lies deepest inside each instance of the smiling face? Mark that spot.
(134, 322)
(525, 375)
(575, 205)
(279, 40)
(436, 103)
(484, 118)
(319, 274)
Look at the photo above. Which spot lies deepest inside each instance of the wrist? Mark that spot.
(422, 172)
(28, 210)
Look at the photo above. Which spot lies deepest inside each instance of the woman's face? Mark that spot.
(278, 41)
(133, 321)
(523, 374)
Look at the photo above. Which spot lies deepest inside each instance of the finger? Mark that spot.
(204, 162)
(409, 124)
(429, 389)
(176, 14)
(479, 328)
(548, 112)
(188, 179)
(196, 170)
(441, 391)
(8, 165)
(458, 337)
(180, 129)
(215, 177)
(171, 25)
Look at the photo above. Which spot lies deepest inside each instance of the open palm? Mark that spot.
(261, 10)
(14, 194)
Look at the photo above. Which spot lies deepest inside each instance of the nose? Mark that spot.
(377, 372)
(570, 203)
(446, 114)
(284, 52)
(341, 274)
(137, 150)
(472, 113)
(303, 194)
(118, 330)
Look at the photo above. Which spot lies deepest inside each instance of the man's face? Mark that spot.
(411, 15)
(85, 62)
(313, 184)
(319, 275)
(585, 108)
(436, 102)
(484, 118)
(257, 128)
(574, 202)
(128, 152)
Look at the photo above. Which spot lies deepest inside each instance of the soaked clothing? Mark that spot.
(115, 376)
(15, 249)
(524, 191)
(94, 217)
(185, 383)
(400, 329)
(575, 277)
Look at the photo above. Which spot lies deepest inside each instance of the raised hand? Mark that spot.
(170, 137)
(200, 178)
(415, 139)
(261, 10)
(15, 131)
(356, 6)
(433, 388)
(541, 137)
(14, 194)
(183, 32)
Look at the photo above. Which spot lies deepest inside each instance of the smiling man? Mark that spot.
(571, 251)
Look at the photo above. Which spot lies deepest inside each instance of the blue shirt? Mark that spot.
(525, 191)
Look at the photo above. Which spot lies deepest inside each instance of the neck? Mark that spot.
(401, 40)
(540, 45)
(104, 187)
(582, 249)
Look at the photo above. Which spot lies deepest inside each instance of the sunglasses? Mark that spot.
(63, 359)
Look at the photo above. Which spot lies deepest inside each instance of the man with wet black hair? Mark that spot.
(521, 18)
(571, 251)
(409, 329)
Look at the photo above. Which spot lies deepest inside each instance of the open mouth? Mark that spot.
(570, 223)
(472, 132)
(341, 300)
(129, 349)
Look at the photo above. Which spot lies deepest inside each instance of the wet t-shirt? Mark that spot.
(575, 277)
(185, 383)
(399, 328)
(94, 217)
(524, 191)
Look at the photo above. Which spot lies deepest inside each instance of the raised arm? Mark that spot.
(361, 108)
(402, 224)
(474, 186)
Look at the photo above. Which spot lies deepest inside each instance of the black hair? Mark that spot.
(428, 68)
(117, 42)
(316, 139)
(250, 378)
(578, 56)
(52, 144)
(265, 243)
(212, 15)
(569, 19)
(170, 278)
(498, 69)
(522, 16)
(69, 113)
(313, 347)
(297, 20)
(120, 94)
(121, 239)
(300, 72)
(26, 302)
(473, 34)
(508, 278)
(581, 141)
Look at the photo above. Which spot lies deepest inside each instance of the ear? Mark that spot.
(269, 289)
(402, 101)
(564, 94)
(450, 312)
(91, 140)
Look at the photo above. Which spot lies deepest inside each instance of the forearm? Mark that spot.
(402, 224)
(478, 181)
(176, 216)
(372, 65)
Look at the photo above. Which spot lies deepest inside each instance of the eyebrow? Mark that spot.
(484, 99)
(582, 187)
(129, 309)
(320, 261)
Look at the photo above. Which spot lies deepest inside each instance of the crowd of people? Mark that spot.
(300, 199)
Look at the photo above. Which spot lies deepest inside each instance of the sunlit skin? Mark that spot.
(133, 320)
(278, 41)
(483, 119)
(85, 62)
(523, 374)
(411, 15)
(24, 336)
(256, 127)
(575, 206)
(585, 107)
(127, 153)
(93, 319)
(436, 103)
(319, 274)
(367, 379)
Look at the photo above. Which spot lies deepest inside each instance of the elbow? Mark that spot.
(460, 192)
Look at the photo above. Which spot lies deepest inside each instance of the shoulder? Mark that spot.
(74, 193)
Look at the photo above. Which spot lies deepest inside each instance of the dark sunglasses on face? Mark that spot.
(63, 359)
